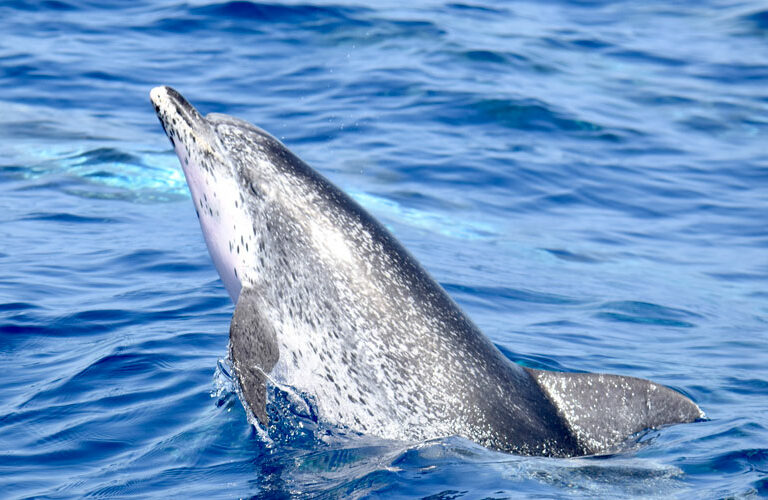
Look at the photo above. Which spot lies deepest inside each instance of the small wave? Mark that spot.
(749, 464)
(17, 306)
(70, 218)
(494, 294)
(527, 114)
(757, 19)
(571, 256)
(495, 61)
(747, 386)
(36, 6)
(477, 9)
(647, 57)
(531, 361)
(648, 313)
(273, 12)
(257, 17)
(100, 156)
(485, 56)
(153, 262)
(590, 44)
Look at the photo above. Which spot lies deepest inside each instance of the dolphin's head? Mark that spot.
(213, 183)
(260, 207)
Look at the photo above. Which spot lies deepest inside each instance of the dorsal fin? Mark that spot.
(254, 352)
(602, 410)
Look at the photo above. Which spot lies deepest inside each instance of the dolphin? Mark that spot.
(329, 303)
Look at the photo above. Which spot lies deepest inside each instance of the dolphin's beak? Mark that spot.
(174, 111)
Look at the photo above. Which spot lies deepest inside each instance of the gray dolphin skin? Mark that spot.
(328, 302)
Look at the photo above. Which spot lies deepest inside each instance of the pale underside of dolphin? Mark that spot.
(329, 303)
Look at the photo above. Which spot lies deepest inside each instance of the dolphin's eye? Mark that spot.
(255, 190)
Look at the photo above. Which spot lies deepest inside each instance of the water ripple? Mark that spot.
(652, 314)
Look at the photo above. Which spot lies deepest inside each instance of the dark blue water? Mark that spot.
(588, 179)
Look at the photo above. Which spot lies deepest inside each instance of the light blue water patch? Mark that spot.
(587, 179)
(158, 174)
(420, 219)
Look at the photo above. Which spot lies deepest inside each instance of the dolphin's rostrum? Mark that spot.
(329, 303)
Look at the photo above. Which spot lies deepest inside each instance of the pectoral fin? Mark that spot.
(254, 351)
(602, 410)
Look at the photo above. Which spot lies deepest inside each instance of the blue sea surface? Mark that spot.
(588, 179)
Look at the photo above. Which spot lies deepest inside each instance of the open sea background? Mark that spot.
(588, 179)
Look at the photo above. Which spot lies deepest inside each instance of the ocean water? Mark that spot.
(588, 179)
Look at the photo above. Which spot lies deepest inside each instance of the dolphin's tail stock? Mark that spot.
(602, 411)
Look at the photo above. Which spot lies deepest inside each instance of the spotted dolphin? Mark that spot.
(328, 302)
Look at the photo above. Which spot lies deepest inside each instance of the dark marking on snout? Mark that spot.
(183, 114)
